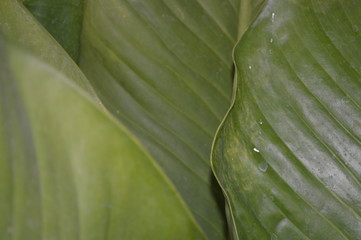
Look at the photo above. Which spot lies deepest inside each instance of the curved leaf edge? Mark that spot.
(230, 216)
(18, 25)
(14, 48)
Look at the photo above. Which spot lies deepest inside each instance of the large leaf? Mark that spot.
(164, 68)
(69, 171)
(19, 26)
(288, 155)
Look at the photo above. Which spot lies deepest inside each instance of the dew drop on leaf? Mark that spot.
(263, 166)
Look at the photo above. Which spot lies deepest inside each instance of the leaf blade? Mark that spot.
(291, 141)
(19, 26)
(95, 180)
(175, 107)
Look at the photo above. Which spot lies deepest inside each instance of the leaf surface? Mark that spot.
(62, 18)
(19, 26)
(69, 171)
(164, 68)
(288, 153)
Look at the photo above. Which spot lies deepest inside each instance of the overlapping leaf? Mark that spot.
(68, 171)
(289, 153)
(19, 26)
(62, 18)
(164, 68)
(173, 74)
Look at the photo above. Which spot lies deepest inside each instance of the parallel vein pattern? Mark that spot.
(288, 153)
(164, 68)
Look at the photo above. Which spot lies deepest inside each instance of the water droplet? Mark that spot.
(273, 17)
(255, 149)
(263, 166)
(271, 40)
(249, 67)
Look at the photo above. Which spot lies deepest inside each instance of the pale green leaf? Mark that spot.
(69, 171)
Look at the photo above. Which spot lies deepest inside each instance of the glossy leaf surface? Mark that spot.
(288, 155)
(69, 171)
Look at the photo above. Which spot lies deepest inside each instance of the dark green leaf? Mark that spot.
(288, 154)
(62, 18)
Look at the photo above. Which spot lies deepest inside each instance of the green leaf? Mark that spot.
(164, 68)
(69, 171)
(62, 18)
(19, 26)
(288, 154)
